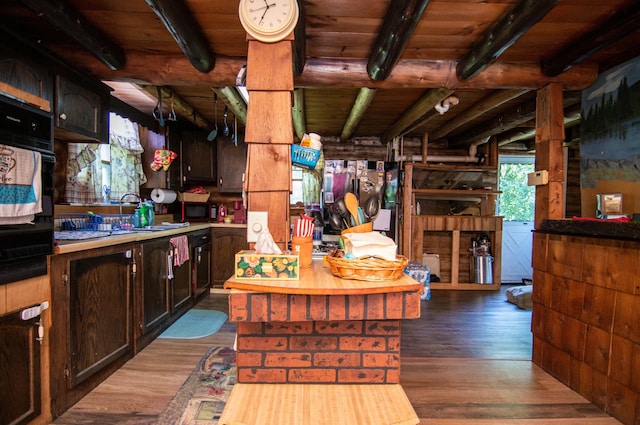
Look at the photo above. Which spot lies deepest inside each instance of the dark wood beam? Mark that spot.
(185, 30)
(502, 34)
(618, 26)
(146, 68)
(398, 26)
(299, 41)
(360, 106)
(416, 112)
(298, 115)
(69, 21)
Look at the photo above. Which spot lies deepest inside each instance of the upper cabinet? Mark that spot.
(198, 157)
(25, 75)
(81, 113)
(232, 161)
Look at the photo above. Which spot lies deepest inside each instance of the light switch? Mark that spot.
(538, 178)
(257, 221)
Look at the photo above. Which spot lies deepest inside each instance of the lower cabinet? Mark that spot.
(92, 313)
(163, 289)
(226, 242)
(201, 269)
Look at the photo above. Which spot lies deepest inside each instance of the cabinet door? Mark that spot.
(154, 299)
(180, 286)
(80, 113)
(100, 295)
(232, 161)
(225, 244)
(202, 269)
(198, 157)
(19, 370)
(25, 75)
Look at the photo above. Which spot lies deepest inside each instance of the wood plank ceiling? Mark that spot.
(371, 69)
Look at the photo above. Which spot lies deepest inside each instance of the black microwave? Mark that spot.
(195, 211)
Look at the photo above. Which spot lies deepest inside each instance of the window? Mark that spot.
(517, 200)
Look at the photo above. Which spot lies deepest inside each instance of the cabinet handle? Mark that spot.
(189, 168)
(63, 116)
(220, 182)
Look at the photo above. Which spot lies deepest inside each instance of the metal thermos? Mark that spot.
(483, 269)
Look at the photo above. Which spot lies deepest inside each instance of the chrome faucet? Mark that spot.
(124, 196)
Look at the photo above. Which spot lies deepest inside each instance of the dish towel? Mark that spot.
(20, 185)
(180, 250)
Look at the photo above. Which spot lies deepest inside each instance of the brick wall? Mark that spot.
(320, 338)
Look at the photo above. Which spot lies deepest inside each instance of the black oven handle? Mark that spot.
(26, 251)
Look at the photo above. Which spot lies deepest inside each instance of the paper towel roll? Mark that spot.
(163, 196)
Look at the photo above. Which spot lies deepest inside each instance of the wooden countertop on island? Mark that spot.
(318, 280)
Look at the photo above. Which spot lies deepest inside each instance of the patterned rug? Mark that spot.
(202, 397)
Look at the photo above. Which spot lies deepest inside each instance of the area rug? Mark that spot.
(195, 324)
(202, 397)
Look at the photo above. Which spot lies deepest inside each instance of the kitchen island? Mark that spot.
(324, 349)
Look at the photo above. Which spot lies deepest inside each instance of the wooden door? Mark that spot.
(198, 157)
(80, 112)
(154, 299)
(201, 243)
(181, 286)
(226, 242)
(232, 161)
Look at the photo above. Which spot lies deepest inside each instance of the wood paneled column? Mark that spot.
(269, 132)
(550, 153)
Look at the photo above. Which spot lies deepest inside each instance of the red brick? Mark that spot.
(249, 328)
(380, 360)
(279, 310)
(394, 305)
(382, 327)
(356, 307)
(350, 327)
(306, 343)
(259, 308)
(238, 307)
(355, 343)
(251, 343)
(262, 376)
(411, 305)
(337, 359)
(317, 308)
(314, 375)
(375, 307)
(287, 360)
(393, 376)
(393, 344)
(337, 307)
(361, 376)
(298, 308)
(248, 359)
(289, 328)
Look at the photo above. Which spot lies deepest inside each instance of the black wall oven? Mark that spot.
(24, 247)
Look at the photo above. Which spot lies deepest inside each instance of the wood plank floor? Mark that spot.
(466, 361)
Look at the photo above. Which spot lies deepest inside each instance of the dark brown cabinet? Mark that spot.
(92, 311)
(226, 241)
(201, 248)
(198, 157)
(19, 369)
(26, 75)
(163, 289)
(80, 113)
(232, 161)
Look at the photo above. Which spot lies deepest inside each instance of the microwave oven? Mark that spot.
(195, 211)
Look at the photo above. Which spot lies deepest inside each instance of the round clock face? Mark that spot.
(268, 20)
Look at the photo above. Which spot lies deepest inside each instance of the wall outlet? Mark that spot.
(538, 178)
(257, 221)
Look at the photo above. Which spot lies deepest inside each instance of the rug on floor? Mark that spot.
(195, 324)
(202, 397)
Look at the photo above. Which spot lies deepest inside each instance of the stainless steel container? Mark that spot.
(483, 269)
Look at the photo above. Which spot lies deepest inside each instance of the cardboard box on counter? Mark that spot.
(250, 265)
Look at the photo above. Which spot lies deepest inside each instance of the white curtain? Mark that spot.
(126, 157)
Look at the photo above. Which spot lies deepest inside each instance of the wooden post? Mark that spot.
(549, 153)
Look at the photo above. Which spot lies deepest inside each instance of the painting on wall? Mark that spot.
(610, 139)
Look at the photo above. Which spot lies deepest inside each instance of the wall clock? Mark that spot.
(268, 20)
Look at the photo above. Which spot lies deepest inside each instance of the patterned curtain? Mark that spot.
(84, 174)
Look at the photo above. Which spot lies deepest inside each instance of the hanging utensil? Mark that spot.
(234, 137)
(371, 207)
(225, 130)
(172, 114)
(157, 110)
(214, 133)
(336, 222)
(351, 202)
(343, 212)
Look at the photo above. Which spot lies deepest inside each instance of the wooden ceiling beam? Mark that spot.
(397, 28)
(185, 30)
(618, 26)
(69, 21)
(146, 68)
(298, 115)
(512, 25)
(181, 107)
(360, 106)
(416, 112)
(480, 108)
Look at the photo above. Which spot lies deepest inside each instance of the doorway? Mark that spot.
(516, 204)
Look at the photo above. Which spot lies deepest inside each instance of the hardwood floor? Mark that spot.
(466, 361)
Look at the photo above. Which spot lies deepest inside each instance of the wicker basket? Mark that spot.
(367, 268)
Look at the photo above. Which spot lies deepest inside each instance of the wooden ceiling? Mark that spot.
(431, 49)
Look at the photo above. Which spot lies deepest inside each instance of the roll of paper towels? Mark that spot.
(163, 196)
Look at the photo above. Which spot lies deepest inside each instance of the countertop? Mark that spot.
(67, 246)
(592, 228)
(318, 280)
